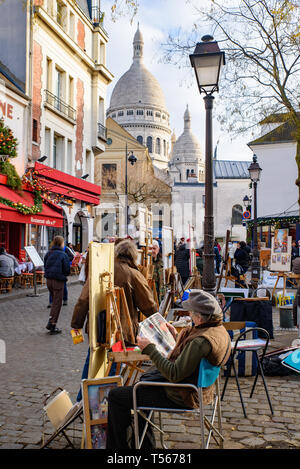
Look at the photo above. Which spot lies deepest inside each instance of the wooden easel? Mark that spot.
(115, 299)
(285, 276)
(230, 277)
(226, 269)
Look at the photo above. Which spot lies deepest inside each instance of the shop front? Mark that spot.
(18, 219)
(76, 197)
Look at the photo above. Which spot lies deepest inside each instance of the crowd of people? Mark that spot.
(240, 254)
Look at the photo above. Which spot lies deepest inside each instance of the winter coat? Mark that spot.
(57, 265)
(138, 295)
(242, 258)
(182, 261)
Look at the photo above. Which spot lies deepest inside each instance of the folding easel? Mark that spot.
(116, 305)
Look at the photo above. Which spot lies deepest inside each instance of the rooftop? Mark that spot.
(228, 169)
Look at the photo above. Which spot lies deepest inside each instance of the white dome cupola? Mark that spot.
(138, 104)
(187, 164)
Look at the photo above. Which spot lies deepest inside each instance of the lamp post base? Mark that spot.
(255, 272)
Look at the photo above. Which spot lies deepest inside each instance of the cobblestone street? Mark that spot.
(37, 363)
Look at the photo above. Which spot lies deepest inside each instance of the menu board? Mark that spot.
(281, 251)
(34, 256)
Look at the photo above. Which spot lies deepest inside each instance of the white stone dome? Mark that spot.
(187, 147)
(137, 87)
(138, 104)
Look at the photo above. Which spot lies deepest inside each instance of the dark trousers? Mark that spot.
(120, 403)
(85, 373)
(65, 297)
(56, 290)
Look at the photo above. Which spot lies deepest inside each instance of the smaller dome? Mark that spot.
(187, 148)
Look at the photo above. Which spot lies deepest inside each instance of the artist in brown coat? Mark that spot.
(138, 294)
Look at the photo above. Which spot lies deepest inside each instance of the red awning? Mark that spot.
(69, 186)
(51, 215)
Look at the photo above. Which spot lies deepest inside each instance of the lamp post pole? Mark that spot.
(254, 171)
(126, 190)
(255, 271)
(209, 278)
(132, 160)
(207, 61)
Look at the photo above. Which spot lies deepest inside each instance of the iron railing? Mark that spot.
(97, 15)
(60, 105)
(102, 132)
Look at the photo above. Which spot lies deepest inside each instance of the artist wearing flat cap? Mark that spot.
(207, 338)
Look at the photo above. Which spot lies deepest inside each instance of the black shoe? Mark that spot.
(49, 326)
(55, 330)
(65, 303)
(49, 306)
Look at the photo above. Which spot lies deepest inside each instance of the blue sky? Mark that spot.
(157, 18)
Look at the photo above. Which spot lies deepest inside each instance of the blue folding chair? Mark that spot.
(208, 375)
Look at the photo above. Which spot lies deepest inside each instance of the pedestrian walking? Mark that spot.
(71, 254)
(57, 269)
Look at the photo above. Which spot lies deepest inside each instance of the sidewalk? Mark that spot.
(20, 292)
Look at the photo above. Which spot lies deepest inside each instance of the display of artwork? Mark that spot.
(281, 251)
(95, 407)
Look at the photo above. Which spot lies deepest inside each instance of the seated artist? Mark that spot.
(207, 338)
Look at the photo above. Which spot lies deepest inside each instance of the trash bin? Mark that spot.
(286, 317)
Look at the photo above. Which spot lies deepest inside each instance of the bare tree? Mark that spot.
(261, 39)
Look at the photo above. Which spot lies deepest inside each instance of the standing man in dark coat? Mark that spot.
(182, 262)
(57, 268)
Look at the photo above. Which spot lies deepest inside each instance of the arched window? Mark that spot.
(237, 215)
(157, 146)
(140, 139)
(149, 144)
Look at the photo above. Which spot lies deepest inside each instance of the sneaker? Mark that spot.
(55, 330)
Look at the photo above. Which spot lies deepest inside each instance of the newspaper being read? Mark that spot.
(155, 329)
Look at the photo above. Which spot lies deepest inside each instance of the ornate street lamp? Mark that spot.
(254, 172)
(207, 61)
(246, 201)
(132, 160)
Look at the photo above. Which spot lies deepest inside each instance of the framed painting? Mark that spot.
(95, 408)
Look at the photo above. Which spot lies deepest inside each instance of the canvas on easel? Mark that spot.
(281, 251)
(101, 262)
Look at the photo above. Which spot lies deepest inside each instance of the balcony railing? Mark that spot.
(58, 104)
(97, 15)
(102, 132)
